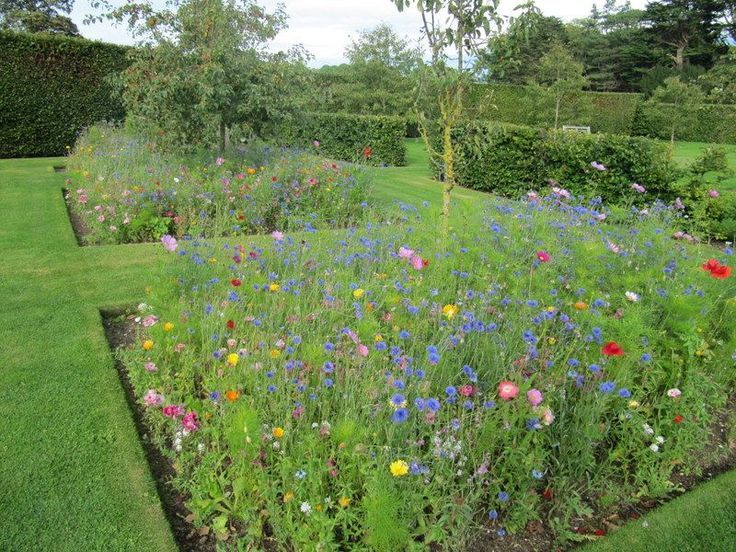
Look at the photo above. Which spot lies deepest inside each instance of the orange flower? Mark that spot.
(580, 305)
(232, 395)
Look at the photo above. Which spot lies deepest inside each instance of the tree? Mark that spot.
(203, 70)
(561, 76)
(35, 16)
(513, 56)
(691, 28)
(381, 45)
(675, 101)
(467, 23)
(720, 81)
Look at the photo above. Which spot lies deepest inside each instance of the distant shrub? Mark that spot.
(377, 140)
(703, 123)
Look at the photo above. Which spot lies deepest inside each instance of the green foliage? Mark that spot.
(697, 123)
(386, 530)
(510, 161)
(560, 76)
(345, 136)
(37, 16)
(51, 87)
(602, 111)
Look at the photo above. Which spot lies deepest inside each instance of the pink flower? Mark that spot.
(362, 350)
(560, 192)
(507, 390)
(83, 198)
(543, 256)
(101, 218)
(219, 161)
(638, 188)
(169, 243)
(149, 321)
(466, 390)
(547, 416)
(297, 412)
(679, 205)
(598, 166)
(534, 396)
(179, 347)
(713, 193)
(189, 422)
(278, 236)
(532, 196)
(674, 393)
(150, 367)
(172, 411)
(315, 143)
(151, 398)
(405, 253)
(417, 262)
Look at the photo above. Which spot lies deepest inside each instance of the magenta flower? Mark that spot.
(151, 398)
(189, 422)
(169, 243)
(417, 262)
(172, 411)
(507, 390)
(543, 256)
(713, 193)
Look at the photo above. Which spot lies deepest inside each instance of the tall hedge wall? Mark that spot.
(703, 123)
(511, 160)
(345, 136)
(50, 88)
(610, 112)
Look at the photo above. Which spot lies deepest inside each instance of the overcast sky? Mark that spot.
(325, 27)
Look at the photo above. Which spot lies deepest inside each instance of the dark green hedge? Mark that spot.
(511, 160)
(50, 88)
(609, 112)
(703, 123)
(346, 136)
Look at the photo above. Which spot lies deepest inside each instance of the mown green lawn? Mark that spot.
(686, 152)
(73, 475)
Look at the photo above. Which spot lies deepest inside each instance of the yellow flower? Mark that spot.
(358, 293)
(168, 327)
(378, 338)
(369, 307)
(274, 353)
(580, 305)
(212, 260)
(318, 507)
(273, 286)
(232, 359)
(278, 432)
(288, 496)
(250, 170)
(633, 405)
(344, 501)
(399, 468)
(147, 345)
(551, 340)
(450, 311)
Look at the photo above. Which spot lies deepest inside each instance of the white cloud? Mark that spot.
(324, 27)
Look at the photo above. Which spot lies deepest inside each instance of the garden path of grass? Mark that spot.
(73, 474)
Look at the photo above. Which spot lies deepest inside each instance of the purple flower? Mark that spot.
(169, 243)
(638, 188)
(598, 166)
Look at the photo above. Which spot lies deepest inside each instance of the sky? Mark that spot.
(325, 27)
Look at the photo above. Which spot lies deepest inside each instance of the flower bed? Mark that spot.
(371, 389)
(124, 191)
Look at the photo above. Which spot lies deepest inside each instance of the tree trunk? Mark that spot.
(223, 136)
(680, 58)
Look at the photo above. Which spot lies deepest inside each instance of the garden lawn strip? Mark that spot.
(72, 471)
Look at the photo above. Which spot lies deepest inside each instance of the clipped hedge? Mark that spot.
(610, 112)
(346, 137)
(511, 160)
(50, 88)
(703, 123)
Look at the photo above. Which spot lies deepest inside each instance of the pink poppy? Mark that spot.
(507, 390)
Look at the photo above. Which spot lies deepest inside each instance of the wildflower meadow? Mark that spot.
(377, 388)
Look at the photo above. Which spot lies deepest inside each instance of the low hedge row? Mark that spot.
(610, 112)
(50, 88)
(378, 140)
(511, 160)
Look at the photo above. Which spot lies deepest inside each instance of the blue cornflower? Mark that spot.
(433, 404)
(624, 393)
(398, 399)
(493, 515)
(400, 416)
(450, 390)
(607, 386)
(328, 382)
(536, 474)
(503, 496)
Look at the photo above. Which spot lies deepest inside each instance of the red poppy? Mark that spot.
(612, 349)
(678, 419)
(548, 494)
(722, 272)
(236, 282)
(367, 152)
(425, 263)
(543, 256)
(230, 324)
(599, 533)
(710, 265)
